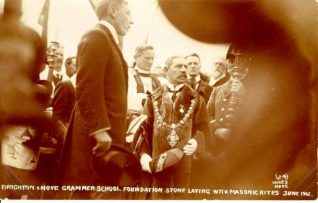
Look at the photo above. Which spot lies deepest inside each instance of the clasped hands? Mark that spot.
(188, 149)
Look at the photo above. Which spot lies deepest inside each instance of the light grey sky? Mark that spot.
(69, 19)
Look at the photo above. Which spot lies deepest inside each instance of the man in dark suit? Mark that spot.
(193, 71)
(63, 101)
(99, 117)
(64, 94)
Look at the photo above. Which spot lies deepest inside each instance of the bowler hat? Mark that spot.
(118, 167)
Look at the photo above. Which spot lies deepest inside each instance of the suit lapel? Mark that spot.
(202, 88)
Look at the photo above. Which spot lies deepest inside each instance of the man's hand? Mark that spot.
(103, 144)
(145, 160)
(190, 147)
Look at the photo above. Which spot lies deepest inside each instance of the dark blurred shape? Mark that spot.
(22, 56)
(122, 164)
(45, 91)
(276, 132)
(12, 9)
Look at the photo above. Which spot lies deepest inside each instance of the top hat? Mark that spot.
(118, 167)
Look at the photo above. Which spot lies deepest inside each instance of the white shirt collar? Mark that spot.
(197, 78)
(111, 29)
(73, 79)
(171, 87)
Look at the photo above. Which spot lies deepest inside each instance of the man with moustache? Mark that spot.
(176, 117)
(220, 74)
(99, 118)
(194, 77)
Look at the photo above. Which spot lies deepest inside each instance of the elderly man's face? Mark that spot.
(145, 60)
(194, 65)
(176, 73)
(122, 19)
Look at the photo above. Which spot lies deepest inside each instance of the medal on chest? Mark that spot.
(173, 137)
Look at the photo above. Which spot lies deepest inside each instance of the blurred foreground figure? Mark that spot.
(21, 59)
(23, 100)
(275, 134)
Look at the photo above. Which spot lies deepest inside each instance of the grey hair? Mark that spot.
(142, 48)
(169, 61)
(103, 5)
(193, 54)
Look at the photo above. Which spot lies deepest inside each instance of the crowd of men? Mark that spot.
(183, 141)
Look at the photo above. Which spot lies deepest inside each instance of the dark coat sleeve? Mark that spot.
(63, 102)
(208, 93)
(93, 58)
(201, 122)
(148, 126)
(201, 129)
(211, 104)
(205, 90)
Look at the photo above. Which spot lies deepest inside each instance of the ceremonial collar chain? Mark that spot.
(173, 138)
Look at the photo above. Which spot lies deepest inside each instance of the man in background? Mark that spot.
(70, 66)
(64, 94)
(220, 74)
(194, 77)
(141, 81)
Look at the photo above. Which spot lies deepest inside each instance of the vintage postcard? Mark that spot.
(158, 99)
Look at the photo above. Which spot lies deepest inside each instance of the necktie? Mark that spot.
(174, 96)
(58, 76)
(193, 83)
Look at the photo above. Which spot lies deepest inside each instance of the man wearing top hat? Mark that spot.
(177, 116)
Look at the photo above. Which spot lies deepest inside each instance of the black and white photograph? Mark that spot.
(158, 99)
